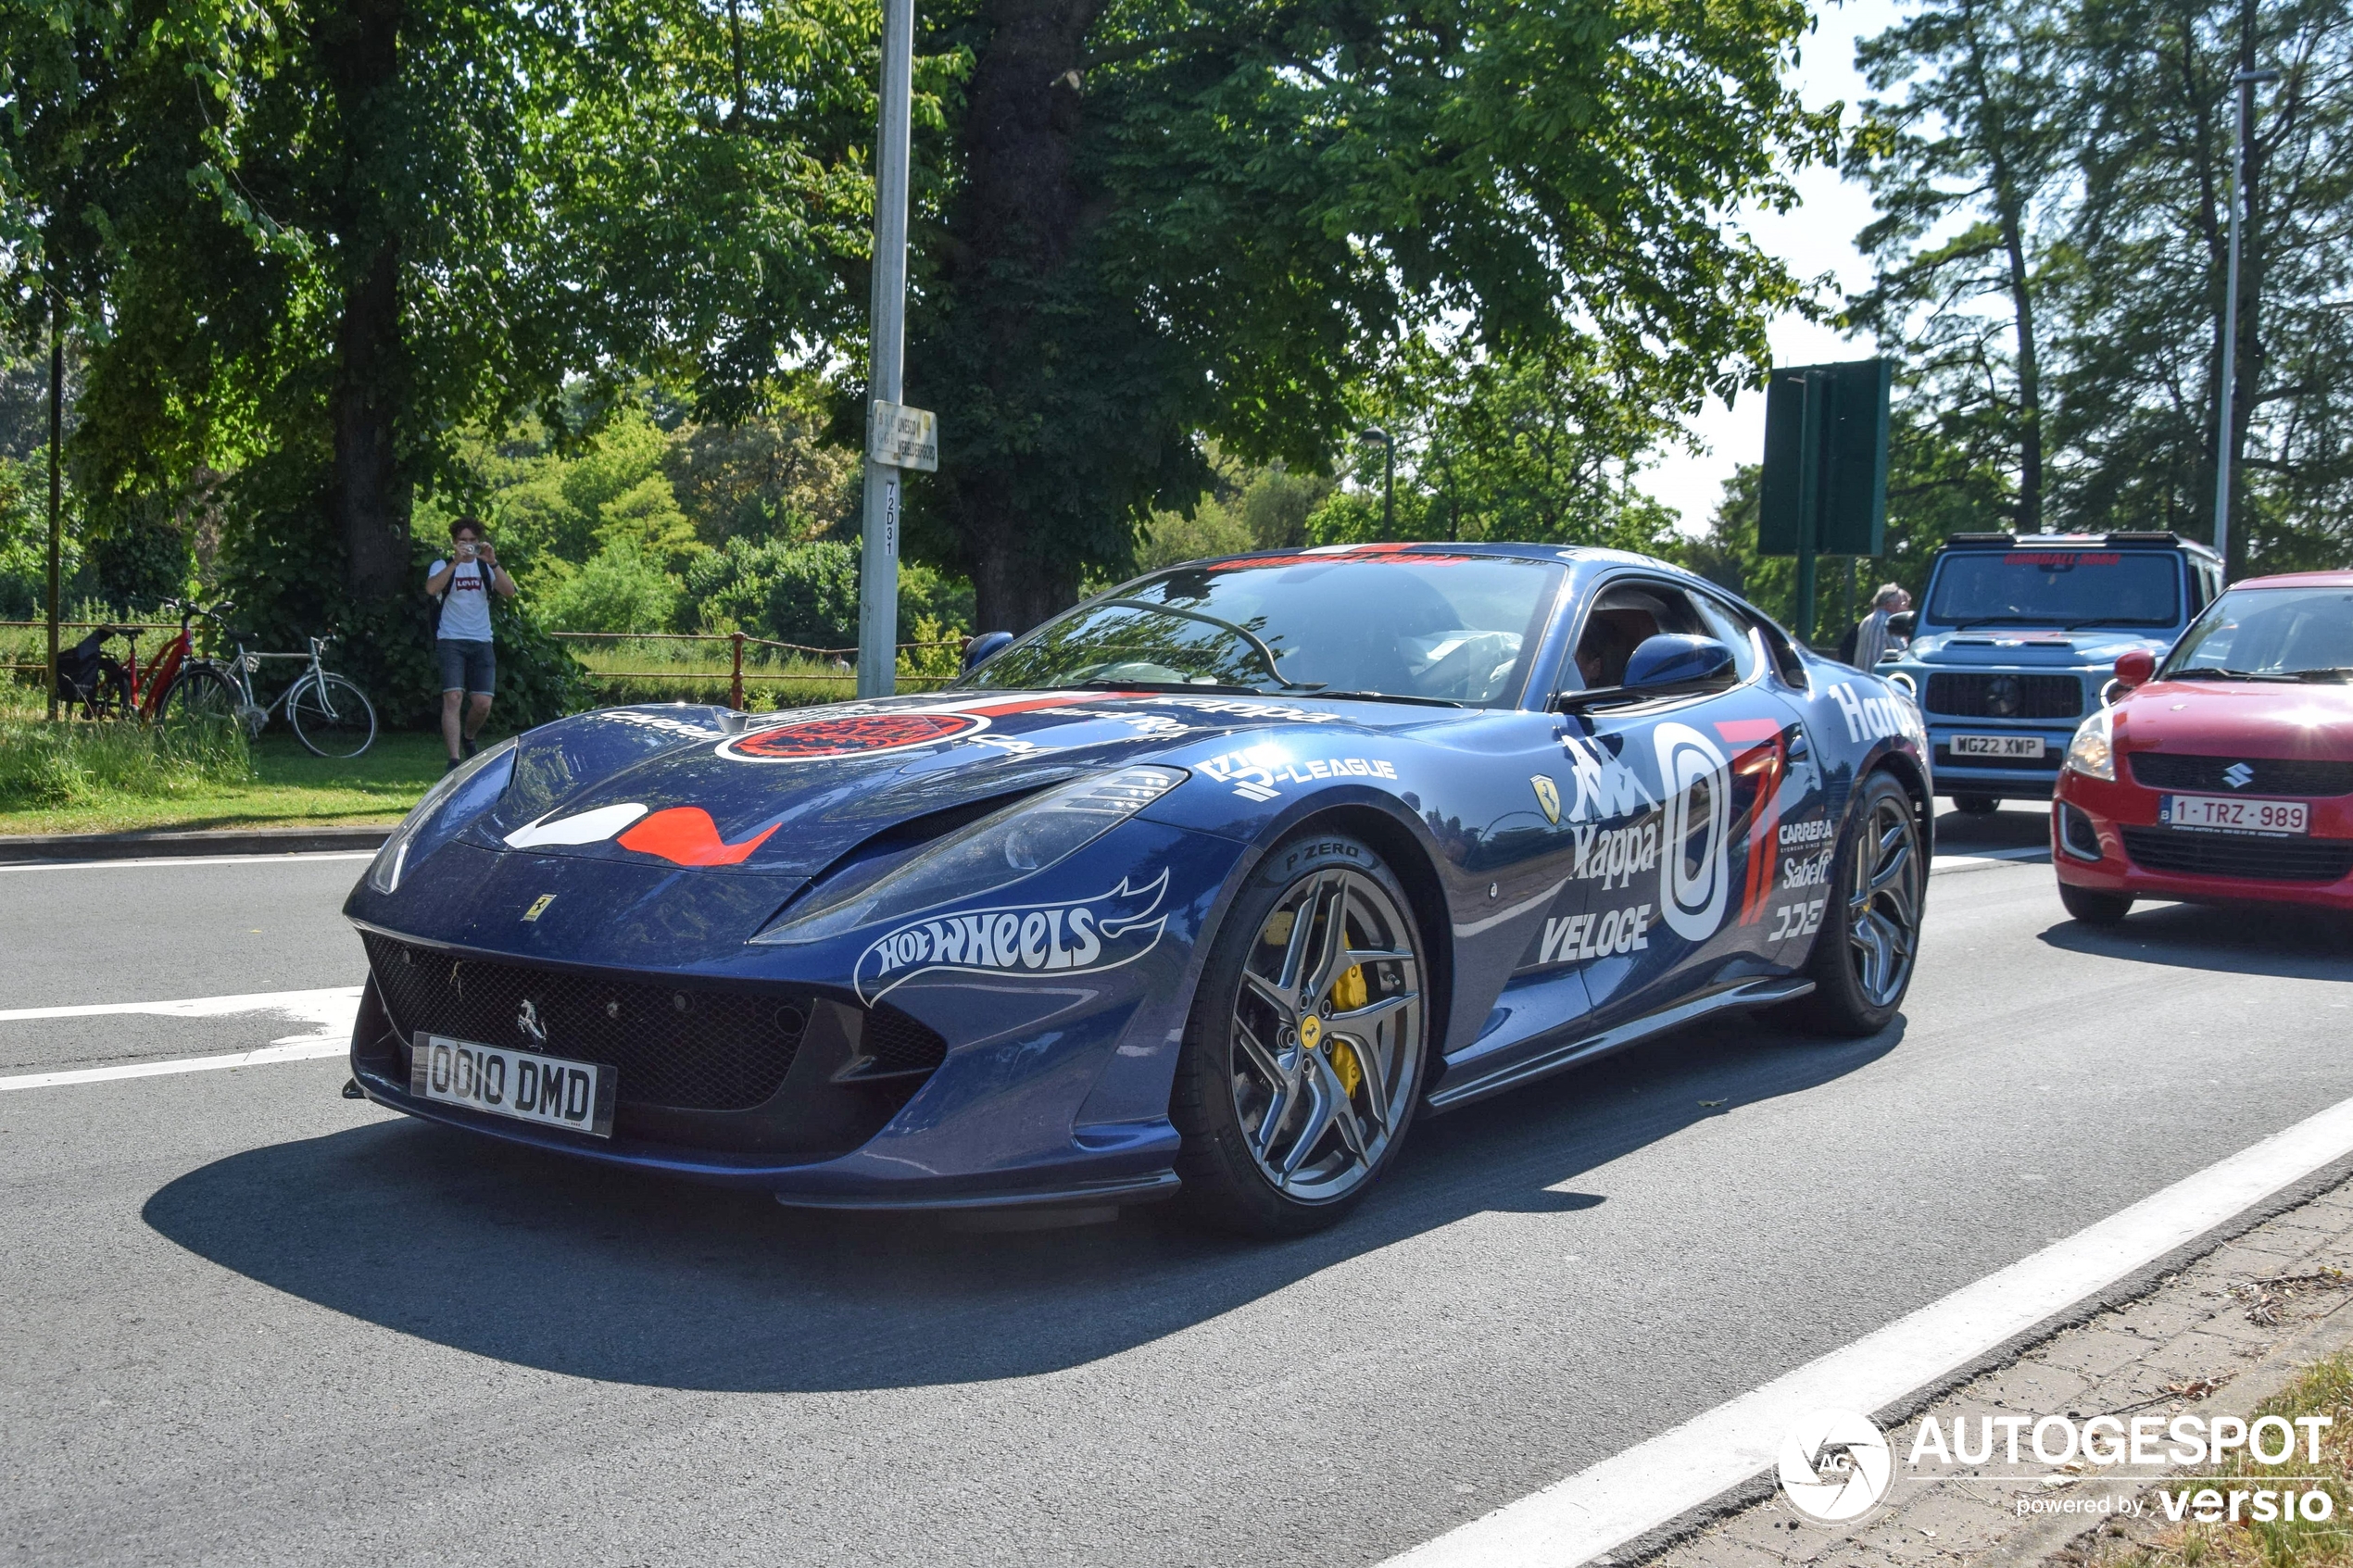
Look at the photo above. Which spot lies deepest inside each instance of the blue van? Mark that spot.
(2017, 639)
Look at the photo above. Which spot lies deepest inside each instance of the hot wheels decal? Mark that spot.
(1082, 937)
(1868, 718)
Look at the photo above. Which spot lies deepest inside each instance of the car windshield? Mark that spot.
(2057, 588)
(2280, 634)
(1418, 627)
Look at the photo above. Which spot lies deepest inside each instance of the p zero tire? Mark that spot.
(1863, 957)
(200, 695)
(331, 716)
(1302, 1061)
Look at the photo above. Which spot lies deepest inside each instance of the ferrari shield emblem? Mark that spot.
(1548, 796)
(539, 906)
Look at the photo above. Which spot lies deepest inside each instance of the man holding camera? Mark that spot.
(468, 665)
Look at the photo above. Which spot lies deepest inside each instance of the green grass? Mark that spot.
(2323, 1389)
(114, 777)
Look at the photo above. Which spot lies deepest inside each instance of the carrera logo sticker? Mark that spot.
(1082, 937)
(685, 836)
(857, 735)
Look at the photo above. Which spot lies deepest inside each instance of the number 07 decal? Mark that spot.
(1695, 779)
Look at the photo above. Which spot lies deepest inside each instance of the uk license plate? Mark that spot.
(2220, 813)
(1996, 745)
(524, 1086)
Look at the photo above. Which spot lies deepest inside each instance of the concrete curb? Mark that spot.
(19, 848)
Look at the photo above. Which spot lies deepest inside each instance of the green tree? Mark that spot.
(1160, 220)
(1964, 169)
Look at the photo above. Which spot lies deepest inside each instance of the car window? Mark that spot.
(2055, 588)
(2276, 632)
(1628, 611)
(1420, 626)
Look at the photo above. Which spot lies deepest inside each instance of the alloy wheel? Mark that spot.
(1883, 900)
(1327, 1038)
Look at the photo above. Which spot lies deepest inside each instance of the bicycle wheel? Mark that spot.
(200, 695)
(332, 716)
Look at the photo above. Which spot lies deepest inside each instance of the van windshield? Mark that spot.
(2063, 588)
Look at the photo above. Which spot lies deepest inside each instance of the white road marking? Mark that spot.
(331, 1011)
(303, 1049)
(1655, 1482)
(1988, 857)
(277, 860)
(313, 1007)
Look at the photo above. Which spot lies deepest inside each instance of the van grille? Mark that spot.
(1998, 695)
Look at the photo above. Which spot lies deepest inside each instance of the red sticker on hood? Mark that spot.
(685, 836)
(852, 736)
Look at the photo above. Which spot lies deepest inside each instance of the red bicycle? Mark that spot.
(108, 688)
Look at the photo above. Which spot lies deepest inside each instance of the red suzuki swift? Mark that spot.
(2224, 775)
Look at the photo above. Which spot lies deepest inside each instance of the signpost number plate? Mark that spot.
(904, 437)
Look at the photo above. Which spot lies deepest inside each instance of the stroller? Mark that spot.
(93, 678)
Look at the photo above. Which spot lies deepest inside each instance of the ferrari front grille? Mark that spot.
(683, 1046)
(1995, 695)
(2259, 859)
(2239, 775)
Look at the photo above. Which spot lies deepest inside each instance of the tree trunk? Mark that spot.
(2030, 381)
(370, 495)
(2247, 375)
(1016, 225)
(360, 43)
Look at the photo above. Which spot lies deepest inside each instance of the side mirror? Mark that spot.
(2135, 668)
(1672, 660)
(1662, 666)
(984, 648)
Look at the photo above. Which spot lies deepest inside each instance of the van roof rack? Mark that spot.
(1981, 539)
(2146, 536)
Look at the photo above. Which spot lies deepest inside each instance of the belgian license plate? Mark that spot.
(525, 1085)
(1996, 745)
(2219, 814)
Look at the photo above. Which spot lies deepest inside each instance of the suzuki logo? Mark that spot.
(527, 1020)
(2238, 775)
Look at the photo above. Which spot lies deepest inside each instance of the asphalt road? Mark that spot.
(245, 1321)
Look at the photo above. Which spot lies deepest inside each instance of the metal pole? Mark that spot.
(735, 676)
(1388, 477)
(56, 438)
(878, 575)
(2223, 453)
(1809, 467)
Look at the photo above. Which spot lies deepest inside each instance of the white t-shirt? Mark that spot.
(465, 604)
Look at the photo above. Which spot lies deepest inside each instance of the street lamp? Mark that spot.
(878, 558)
(2246, 81)
(1388, 477)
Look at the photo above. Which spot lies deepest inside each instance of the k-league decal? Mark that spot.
(1079, 937)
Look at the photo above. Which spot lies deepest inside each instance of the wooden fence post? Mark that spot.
(736, 688)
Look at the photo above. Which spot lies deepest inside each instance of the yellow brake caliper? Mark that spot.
(1349, 992)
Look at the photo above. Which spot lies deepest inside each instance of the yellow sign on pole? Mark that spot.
(904, 437)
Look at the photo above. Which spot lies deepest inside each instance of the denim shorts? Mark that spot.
(467, 667)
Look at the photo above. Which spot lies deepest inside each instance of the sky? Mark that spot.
(1815, 237)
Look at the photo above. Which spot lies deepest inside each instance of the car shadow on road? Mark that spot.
(2278, 940)
(535, 1259)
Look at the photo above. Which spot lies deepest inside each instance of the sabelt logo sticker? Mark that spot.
(1080, 936)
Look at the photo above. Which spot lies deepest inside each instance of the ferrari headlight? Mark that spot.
(1004, 847)
(2093, 753)
(457, 798)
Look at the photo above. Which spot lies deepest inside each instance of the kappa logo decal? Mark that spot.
(1081, 936)
(1606, 788)
(856, 734)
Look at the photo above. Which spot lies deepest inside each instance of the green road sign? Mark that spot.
(1824, 488)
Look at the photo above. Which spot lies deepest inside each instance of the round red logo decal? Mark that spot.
(854, 736)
